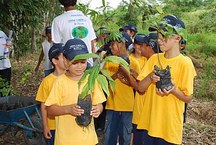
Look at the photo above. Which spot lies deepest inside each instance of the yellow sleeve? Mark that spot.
(188, 73)
(55, 94)
(43, 92)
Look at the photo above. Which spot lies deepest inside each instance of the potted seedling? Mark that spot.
(96, 73)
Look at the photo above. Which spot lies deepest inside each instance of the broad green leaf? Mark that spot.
(160, 10)
(85, 56)
(118, 60)
(84, 76)
(111, 81)
(85, 91)
(104, 84)
(93, 75)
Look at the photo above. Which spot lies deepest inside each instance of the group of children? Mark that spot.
(137, 112)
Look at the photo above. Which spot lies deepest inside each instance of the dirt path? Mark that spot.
(200, 128)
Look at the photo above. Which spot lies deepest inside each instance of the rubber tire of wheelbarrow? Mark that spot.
(38, 138)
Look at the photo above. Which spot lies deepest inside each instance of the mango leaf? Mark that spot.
(93, 75)
(85, 91)
(118, 60)
(111, 81)
(160, 10)
(85, 56)
(84, 76)
(103, 82)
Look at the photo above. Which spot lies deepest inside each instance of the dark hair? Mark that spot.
(67, 3)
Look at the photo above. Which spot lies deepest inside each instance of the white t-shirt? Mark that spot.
(73, 24)
(4, 52)
(46, 46)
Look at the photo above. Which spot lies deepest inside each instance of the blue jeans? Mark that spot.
(118, 124)
(51, 141)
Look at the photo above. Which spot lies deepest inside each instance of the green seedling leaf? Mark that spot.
(87, 72)
(111, 81)
(85, 91)
(93, 75)
(104, 84)
(85, 56)
(118, 60)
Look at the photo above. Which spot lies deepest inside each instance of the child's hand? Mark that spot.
(76, 110)
(164, 91)
(154, 78)
(96, 110)
(47, 133)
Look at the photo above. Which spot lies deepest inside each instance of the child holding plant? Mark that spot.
(119, 105)
(161, 118)
(63, 98)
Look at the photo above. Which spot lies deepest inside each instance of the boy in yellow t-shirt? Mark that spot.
(161, 118)
(148, 46)
(62, 100)
(119, 105)
(56, 57)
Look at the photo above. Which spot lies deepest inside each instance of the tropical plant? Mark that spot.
(97, 73)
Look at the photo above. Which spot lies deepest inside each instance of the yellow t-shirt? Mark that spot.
(163, 116)
(65, 92)
(43, 93)
(122, 99)
(141, 62)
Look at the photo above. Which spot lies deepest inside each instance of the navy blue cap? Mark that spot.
(130, 27)
(127, 39)
(48, 29)
(153, 41)
(141, 38)
(171, 20)
(74, 47)
(55, 50)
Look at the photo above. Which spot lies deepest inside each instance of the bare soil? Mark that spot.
(199, 129)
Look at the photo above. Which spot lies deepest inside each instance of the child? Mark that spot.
(62, 100)
(148, 46)
(56, 57)
(48, 68)
(161, 118)
(119, 104)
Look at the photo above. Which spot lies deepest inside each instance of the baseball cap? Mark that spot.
(74, 47)
(55, 50)
(48, 29)
(170, 20)
(127, 39)
(141, 38)
(130, 27)
(153, 37)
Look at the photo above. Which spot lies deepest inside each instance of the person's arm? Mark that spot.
(93, 46)
(96, 110)
(73, 109)
(46, 132)
(176, 92)
(40, 59)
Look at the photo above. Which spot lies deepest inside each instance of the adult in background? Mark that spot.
(46, 44)
(73, 24)
(5, 64)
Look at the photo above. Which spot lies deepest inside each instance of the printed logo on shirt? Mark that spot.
(80, 32)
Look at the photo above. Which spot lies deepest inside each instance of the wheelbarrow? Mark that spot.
(22, 112)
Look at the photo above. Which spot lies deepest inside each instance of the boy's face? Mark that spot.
(114, 48)
(166, 44)
(77, 67)
(145, 50)
(137, 48)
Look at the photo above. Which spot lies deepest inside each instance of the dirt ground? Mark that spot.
(199, 129)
